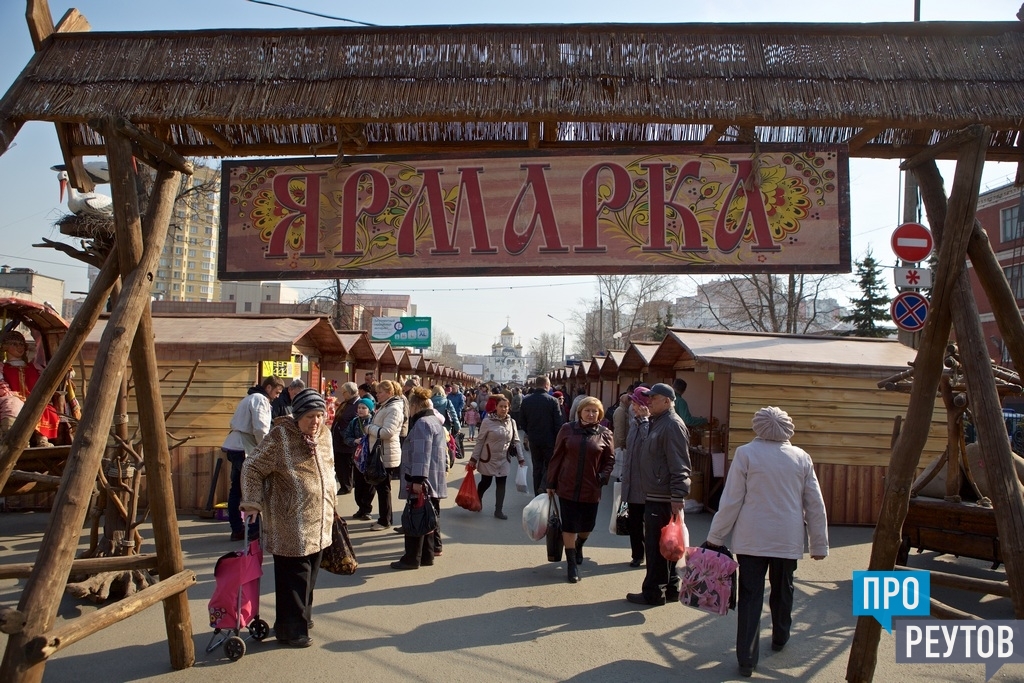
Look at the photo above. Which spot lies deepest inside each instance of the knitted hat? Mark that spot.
(307, 400)
(642, 395)
(773, 424)
(366, 401)
(663, 390)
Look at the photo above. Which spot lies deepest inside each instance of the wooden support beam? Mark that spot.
(40, 22)
(935, 151)
(533, 134)
(966, 583)
(864, 136)
(158, 148)
(217, 138)
(714, 135)
(73, 21)
(927, 371)
(56, 370)
(550, 132)
(11, 621)
(941, 610)
(46, 645)
(43, 590)
(999, 293)
(19, 475)
(88, 565)
(147, 389)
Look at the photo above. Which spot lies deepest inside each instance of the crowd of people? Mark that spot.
(290, 471)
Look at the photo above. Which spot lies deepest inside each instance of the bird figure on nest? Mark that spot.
(98, 170)
(85, 203)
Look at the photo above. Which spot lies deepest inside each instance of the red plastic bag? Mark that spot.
(468, 497)
(673, 539)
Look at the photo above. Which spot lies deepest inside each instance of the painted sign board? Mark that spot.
(281, 368)
(670, 210)
(909, 311)
(401, 331)
(913, 278)
(912, 242)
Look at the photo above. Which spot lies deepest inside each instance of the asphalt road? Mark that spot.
(493, 609)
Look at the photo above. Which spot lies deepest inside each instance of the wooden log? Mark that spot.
(158, 148)
(37, 649)
(73, 21)
(999, 293)
(907, 452)
(941, 610)
(966, 583)
(18, 475)
(56, 370)
(43, 590)
(953, 478)
(151, 411)
(935, 151)
(86, 565)
(11, 621)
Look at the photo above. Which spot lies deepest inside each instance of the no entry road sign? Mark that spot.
(912, 242)
(908, 311)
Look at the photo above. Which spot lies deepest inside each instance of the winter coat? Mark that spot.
(582, 462)
(293, 486)
(445, 407)
(665, 459)
(472, 417)
(425, 455)
(386, 425)
(345, 414)
(621, 419)
(250, 423)
(489, 453)
(541, 418)
(770, 502)
(458, 400)
(632, 480)
(354, 432)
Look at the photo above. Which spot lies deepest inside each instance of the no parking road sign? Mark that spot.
(912, 242)
(909, 310)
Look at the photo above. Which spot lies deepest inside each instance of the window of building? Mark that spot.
(178, 251)
(248, 306)
(190, 276)
(206, 254)
(1010, 227)
(268, 297)
(192, 265)
(161, 273)
(205, 277)
(164, 262)
(193, 230)
(160, 285)
(209, 231)
(1015, 276)
(190, 289)
(231, 297)
(176, 287)
(192, 253)
(177, 275)
(204, 290)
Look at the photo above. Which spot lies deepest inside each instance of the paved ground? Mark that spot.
(493, 609)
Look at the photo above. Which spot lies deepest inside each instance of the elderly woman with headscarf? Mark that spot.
(289, 478)
(422, 470)
(771, 493)
(581, 464)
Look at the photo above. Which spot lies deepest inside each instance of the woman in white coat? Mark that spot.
(386, 427)
(497, 432)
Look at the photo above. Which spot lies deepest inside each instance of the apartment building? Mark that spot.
(187, 270)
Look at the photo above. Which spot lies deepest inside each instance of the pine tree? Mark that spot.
(660, 329)
(872, 307)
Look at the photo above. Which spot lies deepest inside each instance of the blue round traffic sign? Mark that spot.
(909, 311)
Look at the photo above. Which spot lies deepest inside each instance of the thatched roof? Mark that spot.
(887, 89)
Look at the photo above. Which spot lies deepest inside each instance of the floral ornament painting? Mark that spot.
(707, 580)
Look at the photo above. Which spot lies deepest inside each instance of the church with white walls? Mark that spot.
(506, 362)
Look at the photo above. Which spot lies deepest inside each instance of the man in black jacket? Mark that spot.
(541, 420)
(282, 405)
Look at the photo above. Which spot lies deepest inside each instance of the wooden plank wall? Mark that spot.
(844, 423)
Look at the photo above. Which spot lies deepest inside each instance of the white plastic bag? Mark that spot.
(521, 479)
(620, 455)
(535, 517)
(616, 499)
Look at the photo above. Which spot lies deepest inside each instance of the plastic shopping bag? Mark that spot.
(674, 539)
(468, 496)
(616, 500)
(535, 517)
(708, 580)
(521, 479)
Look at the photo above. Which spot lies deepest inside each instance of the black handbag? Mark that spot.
(375, 472)
(339, 557)
(622, 520)
(419, 517)
(513, 451)
(554, 539)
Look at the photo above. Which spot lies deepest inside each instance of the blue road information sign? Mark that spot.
(992, 642)
(884, 595)
(909, 310)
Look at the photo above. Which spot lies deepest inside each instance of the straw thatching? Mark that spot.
(886, 89)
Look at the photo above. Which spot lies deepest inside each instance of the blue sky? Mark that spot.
(471, 310)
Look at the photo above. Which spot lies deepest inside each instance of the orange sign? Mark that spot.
(671, 211)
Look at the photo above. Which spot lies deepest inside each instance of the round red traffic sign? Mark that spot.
(912, 242)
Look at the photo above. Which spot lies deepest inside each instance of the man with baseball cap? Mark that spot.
(665, 478)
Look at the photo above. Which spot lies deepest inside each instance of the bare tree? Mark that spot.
(627, 309)
(331, 300)
(443, 349)
(546, 350)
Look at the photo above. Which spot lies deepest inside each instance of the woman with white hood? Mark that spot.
(770, 494)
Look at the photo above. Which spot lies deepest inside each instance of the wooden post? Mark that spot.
(927, 371)
(147, 393)
(999, 294)
(43, 590)
(17, 438)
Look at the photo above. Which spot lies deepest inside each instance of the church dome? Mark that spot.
(507, 331)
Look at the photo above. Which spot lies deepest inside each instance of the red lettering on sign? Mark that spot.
(690, 235)
(543, 213)
(378, 193)
(754, 211)
(431, 191)
(310, 211)
(469, 189)
(592, 208)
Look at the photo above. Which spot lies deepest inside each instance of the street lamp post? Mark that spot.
(563, 336)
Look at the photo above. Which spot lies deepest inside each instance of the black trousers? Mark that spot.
(364, 493)
(344, 472)
(420, 550)
(750, 603)
(636, 530)
(499, 489)
(541, 456)
(661, 574)
(294, 579)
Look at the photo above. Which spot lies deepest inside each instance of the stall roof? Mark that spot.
(357, 344)
(385, 356)
(848, 356)
(638, 356)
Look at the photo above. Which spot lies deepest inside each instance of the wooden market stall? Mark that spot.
(875, 88)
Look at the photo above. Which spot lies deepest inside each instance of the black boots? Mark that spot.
(499, 499)
(579, 549)
(574, 573)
